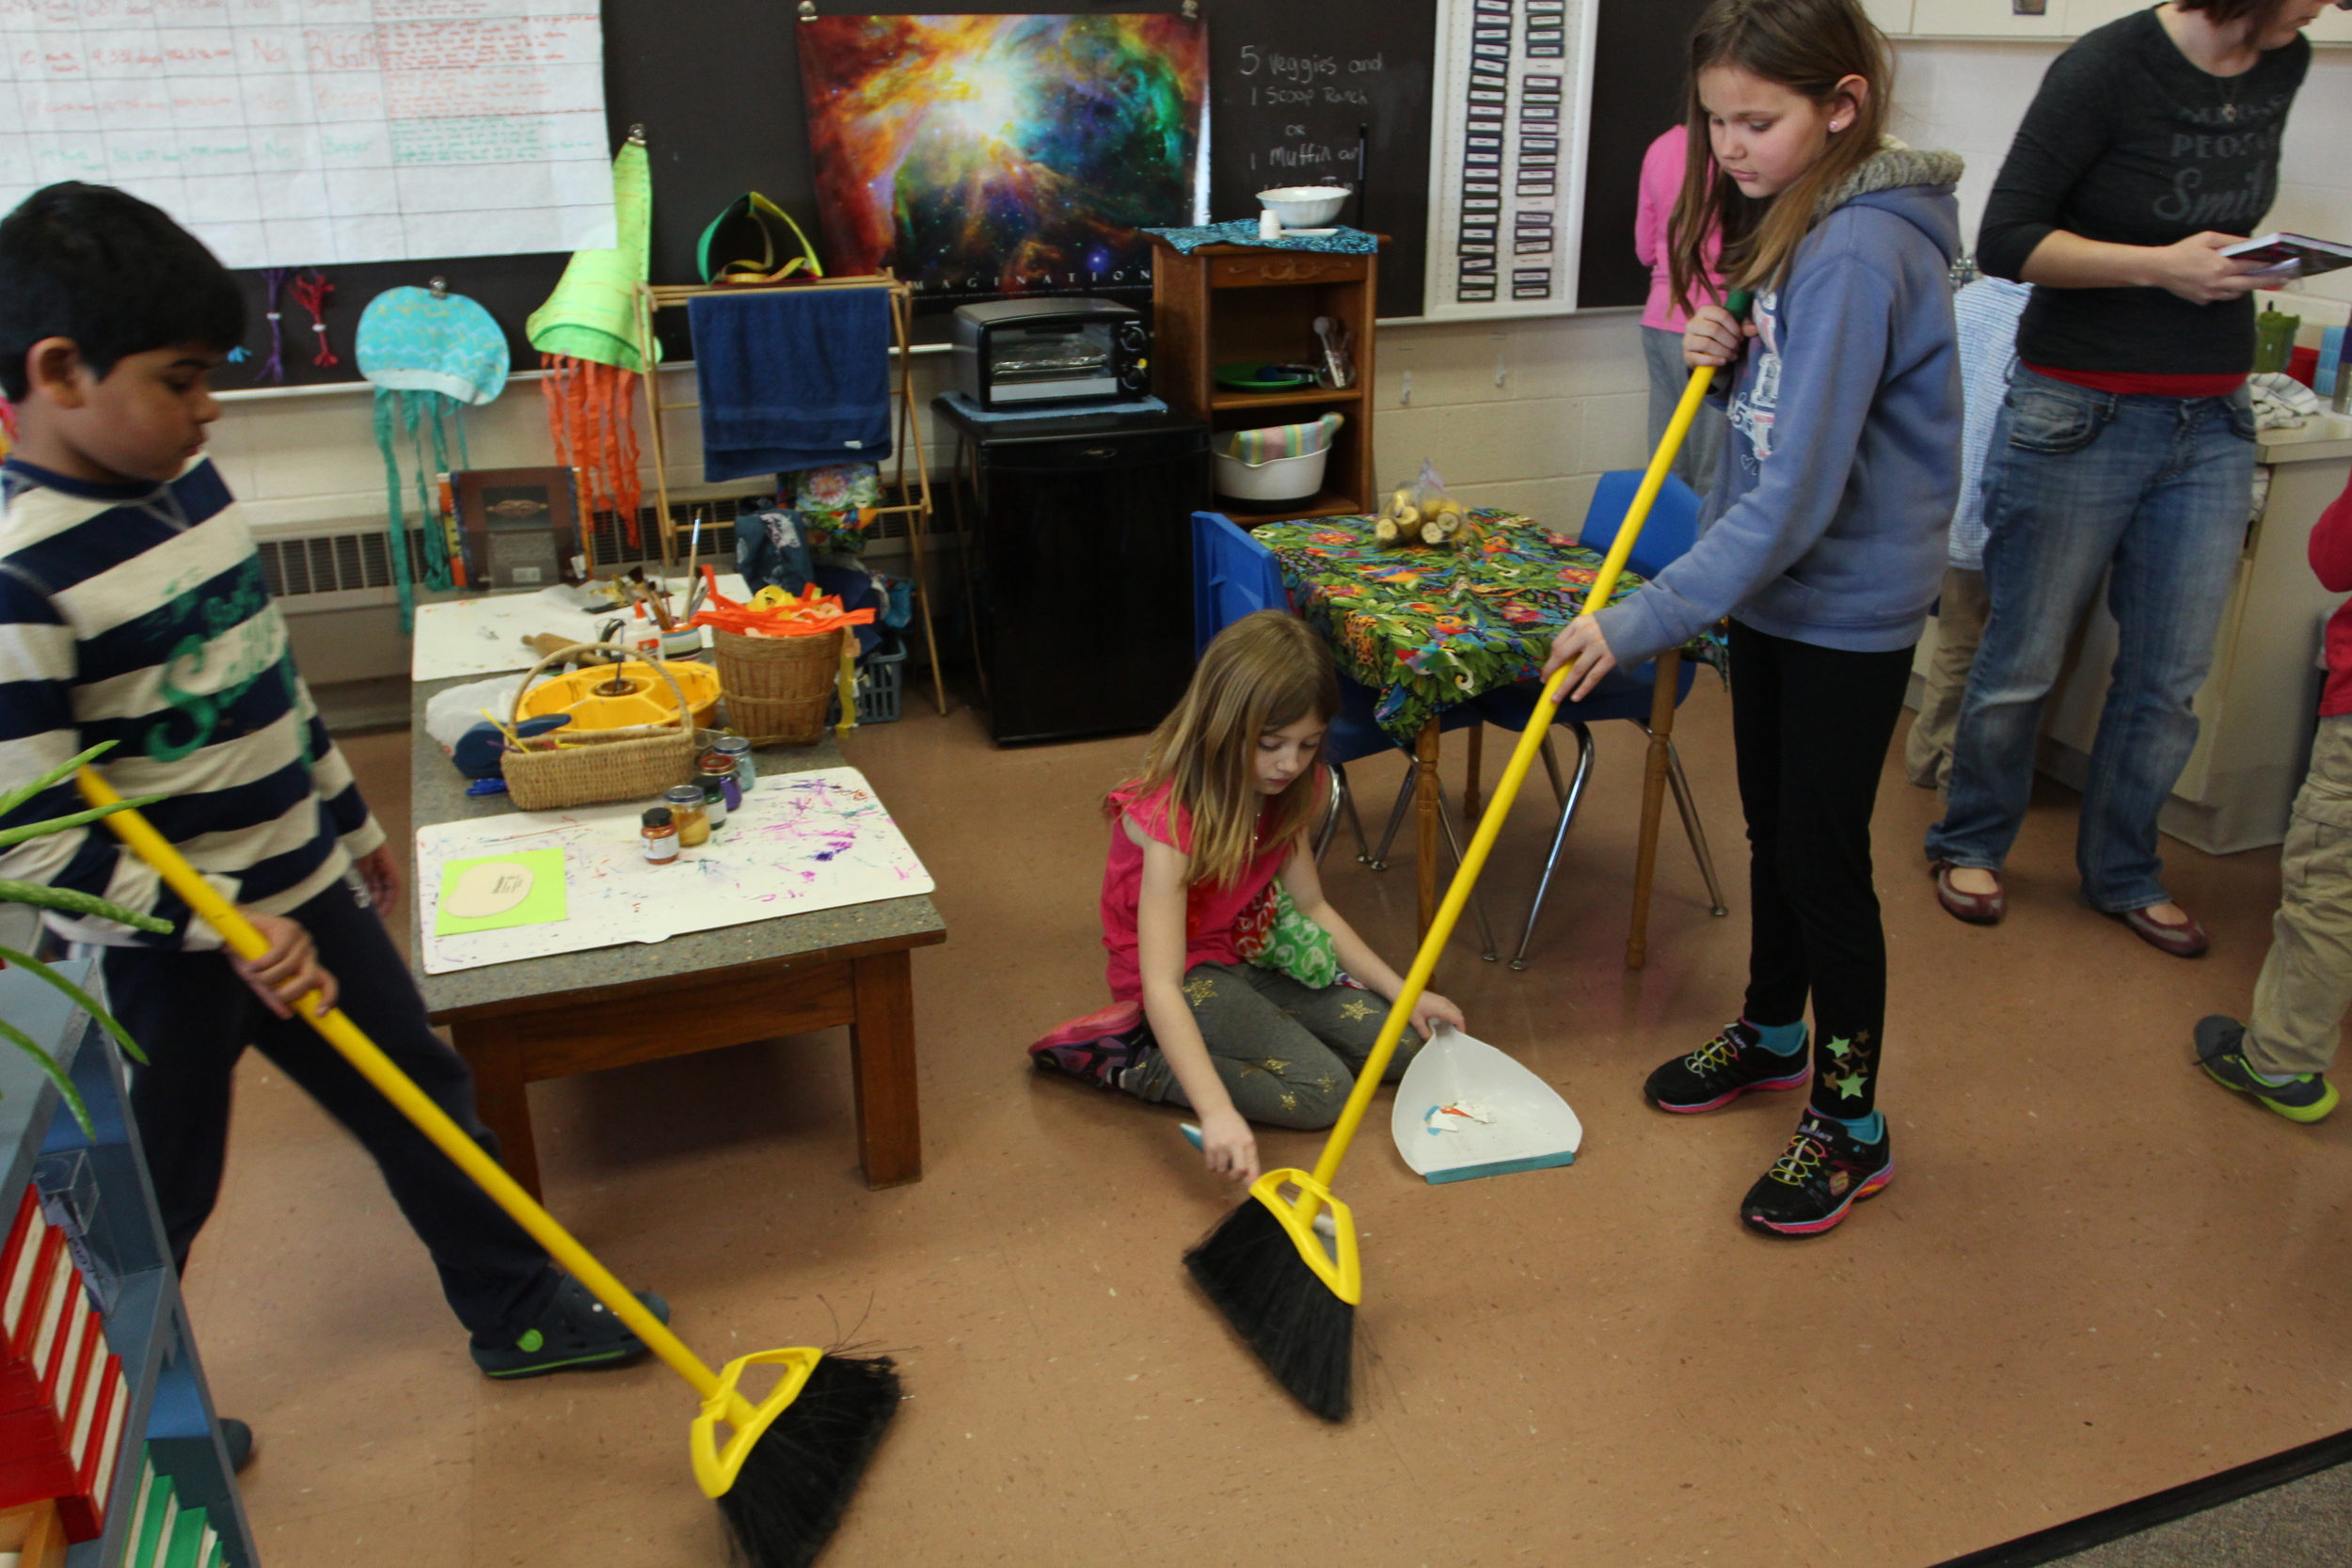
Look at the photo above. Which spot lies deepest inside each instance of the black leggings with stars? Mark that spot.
(1810, 726)
(1288, 1053)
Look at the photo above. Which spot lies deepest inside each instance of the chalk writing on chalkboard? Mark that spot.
(1306, 82)
(291, 133)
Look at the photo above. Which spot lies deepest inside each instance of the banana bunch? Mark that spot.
(1401, 523)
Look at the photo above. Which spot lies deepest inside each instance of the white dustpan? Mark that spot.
(1465, 1109)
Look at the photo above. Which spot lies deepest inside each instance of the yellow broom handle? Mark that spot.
(1506, 790)
(395, 1085)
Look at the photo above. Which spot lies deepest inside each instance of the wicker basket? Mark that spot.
(777, 687)
(603, 765)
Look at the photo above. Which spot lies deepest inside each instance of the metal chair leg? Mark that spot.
(1478, 905)
(1559, 836)
(1694, 829)
(1342, 797)
(1379, 860)
(1552, 766)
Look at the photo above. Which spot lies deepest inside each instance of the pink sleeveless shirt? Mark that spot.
(1210, 911)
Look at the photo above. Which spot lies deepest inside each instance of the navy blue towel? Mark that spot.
(791, 378)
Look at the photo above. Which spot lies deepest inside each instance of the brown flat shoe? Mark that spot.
(1978, 909)
(2185, 941)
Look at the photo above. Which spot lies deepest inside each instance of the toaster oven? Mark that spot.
(1027, 353)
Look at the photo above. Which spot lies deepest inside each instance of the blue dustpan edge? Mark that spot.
(1501, 1167)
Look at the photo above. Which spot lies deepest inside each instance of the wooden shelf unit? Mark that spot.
(1228, 303)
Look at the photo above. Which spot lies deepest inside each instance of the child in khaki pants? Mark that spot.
(2282, 1055)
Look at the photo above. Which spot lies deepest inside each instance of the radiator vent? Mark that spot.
(329, 563)
(345, 562)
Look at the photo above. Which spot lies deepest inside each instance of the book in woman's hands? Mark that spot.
(2306, 257)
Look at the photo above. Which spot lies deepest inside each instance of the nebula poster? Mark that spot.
(980, 156)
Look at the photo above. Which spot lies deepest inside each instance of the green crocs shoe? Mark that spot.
(577, 1331)
(2221, 1050)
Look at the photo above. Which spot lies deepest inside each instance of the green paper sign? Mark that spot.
(521, 888)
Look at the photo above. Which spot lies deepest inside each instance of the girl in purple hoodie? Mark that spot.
(1823, 541)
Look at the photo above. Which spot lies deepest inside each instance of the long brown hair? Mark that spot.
(1265, 672)
(1807, 46)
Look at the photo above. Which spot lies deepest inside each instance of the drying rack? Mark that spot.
(655, 297)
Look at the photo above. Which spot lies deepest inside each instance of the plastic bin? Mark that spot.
(881, 679)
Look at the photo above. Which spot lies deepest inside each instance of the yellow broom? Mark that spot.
(1289, 1293)
(791, 1462)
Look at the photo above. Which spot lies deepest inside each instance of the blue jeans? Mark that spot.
(2156, 492)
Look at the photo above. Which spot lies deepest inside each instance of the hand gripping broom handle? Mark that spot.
(435, 1123)
(1506, 790)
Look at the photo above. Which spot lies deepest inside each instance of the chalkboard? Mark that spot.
(1641, 58)
(1292, 84)
(716, 84)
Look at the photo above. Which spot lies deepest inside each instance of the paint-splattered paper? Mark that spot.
(801, 842)
(988, 156)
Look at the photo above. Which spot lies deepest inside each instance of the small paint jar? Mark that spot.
(738, 751)
(660, 832)
(694, 822)
(722, 794)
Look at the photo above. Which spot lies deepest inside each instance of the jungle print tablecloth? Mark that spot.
(1430, 628)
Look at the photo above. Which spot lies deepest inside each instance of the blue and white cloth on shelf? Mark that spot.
(1345, 242)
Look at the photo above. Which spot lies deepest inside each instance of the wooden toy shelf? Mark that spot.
(1228, 303)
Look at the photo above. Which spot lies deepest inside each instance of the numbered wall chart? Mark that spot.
(1507, 171)
(307, 132)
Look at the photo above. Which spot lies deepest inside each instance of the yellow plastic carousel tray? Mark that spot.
(599, 698)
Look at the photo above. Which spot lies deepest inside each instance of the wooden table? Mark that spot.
(521, 1023)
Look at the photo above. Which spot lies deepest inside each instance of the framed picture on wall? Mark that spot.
(520, 528)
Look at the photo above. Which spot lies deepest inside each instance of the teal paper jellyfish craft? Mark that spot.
(429, 355)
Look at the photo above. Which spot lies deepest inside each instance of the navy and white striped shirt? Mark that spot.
(137, 613)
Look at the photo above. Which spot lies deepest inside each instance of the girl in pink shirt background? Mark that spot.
(1662, 323)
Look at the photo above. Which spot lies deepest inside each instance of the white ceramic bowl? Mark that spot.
(1305, 206)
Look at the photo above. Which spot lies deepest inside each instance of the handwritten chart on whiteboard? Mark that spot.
(1507, 167)
(310, 132)
(818, 840)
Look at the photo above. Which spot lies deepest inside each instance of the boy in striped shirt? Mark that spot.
(133, 609)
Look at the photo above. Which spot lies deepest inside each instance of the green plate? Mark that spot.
(1260, 378)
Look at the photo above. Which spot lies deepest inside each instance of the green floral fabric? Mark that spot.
(1429, 629)
(1273, 935)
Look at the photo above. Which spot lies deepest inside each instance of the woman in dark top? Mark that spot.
(2126, 441)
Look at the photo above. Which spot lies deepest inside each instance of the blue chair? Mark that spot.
(1233, 575)
(1670, 532)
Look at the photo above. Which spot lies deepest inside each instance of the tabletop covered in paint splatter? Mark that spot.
(1426, 629)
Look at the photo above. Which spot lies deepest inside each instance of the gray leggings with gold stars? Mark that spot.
(1288, 1053)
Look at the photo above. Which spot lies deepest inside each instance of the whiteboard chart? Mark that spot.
(310, 132)
(1506, 165)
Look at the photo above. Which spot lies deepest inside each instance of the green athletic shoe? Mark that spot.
(577, 1331)
(2221, 1050)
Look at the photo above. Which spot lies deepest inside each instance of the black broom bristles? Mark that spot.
(799, 1476)
(1306, 1336)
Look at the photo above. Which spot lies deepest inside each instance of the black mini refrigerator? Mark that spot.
(1081, 567)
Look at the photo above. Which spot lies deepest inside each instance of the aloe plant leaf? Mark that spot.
(80, 998)
(79, 820)
(13, 891)
(59, 774)
(56, 1075)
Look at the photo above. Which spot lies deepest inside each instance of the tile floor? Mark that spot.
(2096, 1275)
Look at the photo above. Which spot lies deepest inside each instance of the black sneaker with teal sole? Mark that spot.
(576, 1332)
(2306, 1098)
(1823, 1173)
(1722, 1070)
